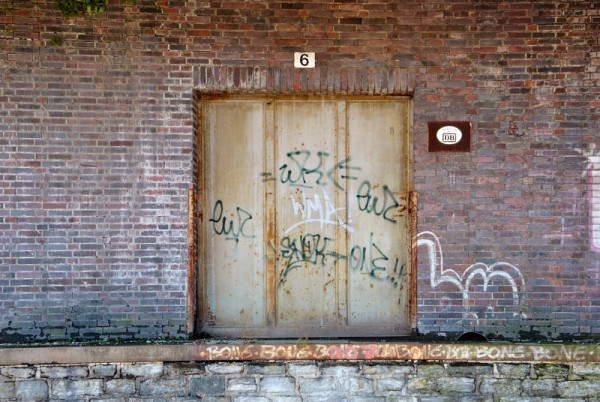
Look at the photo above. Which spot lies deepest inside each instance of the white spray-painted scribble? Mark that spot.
(592, 173)
(439, 275)
(322, 212)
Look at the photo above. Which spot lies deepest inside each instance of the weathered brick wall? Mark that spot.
(97, 154)
(301, 381)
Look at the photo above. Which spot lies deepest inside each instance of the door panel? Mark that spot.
(378, 258)
(235, 292)
(306, 137)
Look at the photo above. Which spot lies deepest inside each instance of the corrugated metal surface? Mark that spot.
(306, 230)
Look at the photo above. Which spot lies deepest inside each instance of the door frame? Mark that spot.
(196, 274)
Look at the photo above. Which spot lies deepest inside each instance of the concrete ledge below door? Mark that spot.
(443, 352)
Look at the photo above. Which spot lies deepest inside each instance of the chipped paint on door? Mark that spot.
(305, 228)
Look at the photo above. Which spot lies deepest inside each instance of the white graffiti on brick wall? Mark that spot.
(592, 173)
(465, 282)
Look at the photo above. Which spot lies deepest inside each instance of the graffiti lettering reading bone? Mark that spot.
(401, 351)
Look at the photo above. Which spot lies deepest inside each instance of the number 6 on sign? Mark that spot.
(304, 59)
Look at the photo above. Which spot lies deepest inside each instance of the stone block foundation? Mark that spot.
(186, 373)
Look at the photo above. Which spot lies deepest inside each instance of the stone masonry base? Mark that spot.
(380, 372)
(301, 381)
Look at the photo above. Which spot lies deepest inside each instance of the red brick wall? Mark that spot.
(97, 150)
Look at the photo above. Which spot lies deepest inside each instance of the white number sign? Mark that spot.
(304, 59)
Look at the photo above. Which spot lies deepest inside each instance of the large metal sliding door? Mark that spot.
(305, 225)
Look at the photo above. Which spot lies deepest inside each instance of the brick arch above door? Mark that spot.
(318, 80)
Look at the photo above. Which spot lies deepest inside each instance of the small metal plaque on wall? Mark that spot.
(449, 136)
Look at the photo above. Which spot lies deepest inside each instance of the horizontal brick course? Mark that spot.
(274, 80)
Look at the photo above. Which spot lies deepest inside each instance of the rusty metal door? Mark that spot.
(305, 228)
